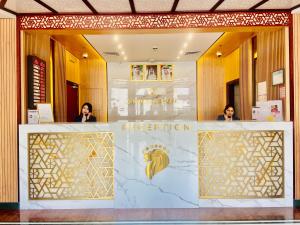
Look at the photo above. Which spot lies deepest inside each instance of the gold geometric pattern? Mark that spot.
(71, 166)
(241, 164)
(155, 21)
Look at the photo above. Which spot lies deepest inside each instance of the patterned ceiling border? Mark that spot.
(154, 21)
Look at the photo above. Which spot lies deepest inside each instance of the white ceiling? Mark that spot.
(5, 15)
(237, 5)
(139, 47)
(282, 4)
(143, 6)
(152, 6)
(195, 5)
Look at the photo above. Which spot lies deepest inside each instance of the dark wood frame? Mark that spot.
(228, 87)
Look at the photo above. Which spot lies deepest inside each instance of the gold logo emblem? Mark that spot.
(157, 159)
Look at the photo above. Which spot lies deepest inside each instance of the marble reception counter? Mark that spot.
(156, 164)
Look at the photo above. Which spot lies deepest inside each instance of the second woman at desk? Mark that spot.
(86, 114)
(228, 114)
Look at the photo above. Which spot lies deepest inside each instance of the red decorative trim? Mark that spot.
(155, 21)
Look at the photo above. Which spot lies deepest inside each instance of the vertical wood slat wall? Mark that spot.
(210, 87)
(270, 57)
(8, 120)
(93, 86)
(37, 45)
(296, 49)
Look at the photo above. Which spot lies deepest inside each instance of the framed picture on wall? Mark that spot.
(166, 72)
(137, 72)
(151, 72)
(278, 77)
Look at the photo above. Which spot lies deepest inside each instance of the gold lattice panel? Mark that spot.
(241, 164)
(71, 166)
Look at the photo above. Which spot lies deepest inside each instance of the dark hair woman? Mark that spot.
(86, 114)
(228, 114)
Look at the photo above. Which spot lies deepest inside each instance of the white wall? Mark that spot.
(182, 90)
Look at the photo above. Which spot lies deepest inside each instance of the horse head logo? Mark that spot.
(157, 160)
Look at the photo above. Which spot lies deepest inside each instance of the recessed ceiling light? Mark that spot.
(125, 58)
(123, 53)
(185, 44)
(119, 46)
(177, 57)
(181, 52)
(116, 38)
(85, 55)
(190, 36)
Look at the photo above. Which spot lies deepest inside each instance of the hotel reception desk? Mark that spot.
(156, 164)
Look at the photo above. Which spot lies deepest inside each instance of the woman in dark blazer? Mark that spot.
(228, 114)
(86, 114)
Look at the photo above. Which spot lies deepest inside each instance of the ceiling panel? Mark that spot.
(153, 6)
(237, 5)
(4, 15)
(195, 5)
(279, 4)
(68, 6)
(25, 6)
(297, 10)
(109, 6)
(139, 47)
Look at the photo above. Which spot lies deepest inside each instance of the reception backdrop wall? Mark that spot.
(151, 100)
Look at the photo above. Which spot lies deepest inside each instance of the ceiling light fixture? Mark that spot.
(125, 58)
(123, 53)
(85, 55)
(219, 52)
(185, 44)
(119, 46)
(181, 52)
(116, 38)
(190, 36)
(177, 57)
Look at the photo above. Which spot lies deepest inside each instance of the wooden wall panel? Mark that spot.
(8, 116)
(246, 80)
(39, 45)
(270, 57)
(59, 84)
(231, 68)
(296, 49)
(72, 68)
(212, 75)
(93, 86)
(210, 87)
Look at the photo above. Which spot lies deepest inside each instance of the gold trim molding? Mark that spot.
(241, 164)
(71, 166)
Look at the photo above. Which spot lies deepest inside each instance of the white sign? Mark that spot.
(277, 77)
(45, 113)
(262, 91)
(268, 111)
(33, 116)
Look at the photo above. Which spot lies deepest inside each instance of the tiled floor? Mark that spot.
(167, 216)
